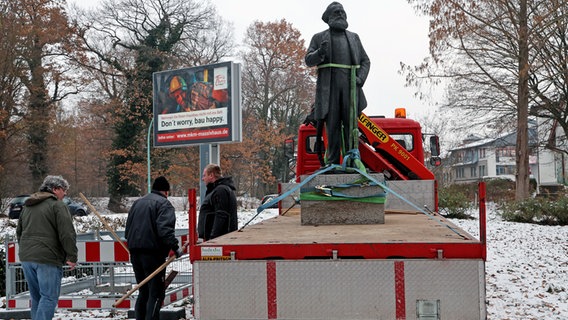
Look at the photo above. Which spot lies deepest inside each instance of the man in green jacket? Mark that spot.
(48, 241)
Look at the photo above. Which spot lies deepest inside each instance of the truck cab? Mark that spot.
(390, 156)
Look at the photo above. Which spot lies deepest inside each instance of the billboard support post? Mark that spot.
(148, 155)
(208, 153)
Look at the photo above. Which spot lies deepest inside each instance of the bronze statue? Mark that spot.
(343, 66)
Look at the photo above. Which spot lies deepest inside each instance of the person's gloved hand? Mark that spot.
(179, 253)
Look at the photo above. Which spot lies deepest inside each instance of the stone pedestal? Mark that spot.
(341, 210)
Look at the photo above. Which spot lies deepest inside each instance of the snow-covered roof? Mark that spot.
(474, 144)
(509, 139)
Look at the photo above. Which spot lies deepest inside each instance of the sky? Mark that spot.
(391, 33)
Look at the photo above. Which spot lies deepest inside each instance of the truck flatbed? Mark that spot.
(398, 228)
(403, 235)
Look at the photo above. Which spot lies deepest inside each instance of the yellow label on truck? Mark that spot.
(216, 258)
(377, 132)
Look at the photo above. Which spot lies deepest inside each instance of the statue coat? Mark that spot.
(323, 86)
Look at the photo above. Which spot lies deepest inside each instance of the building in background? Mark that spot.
(552, 156)
(481, 158)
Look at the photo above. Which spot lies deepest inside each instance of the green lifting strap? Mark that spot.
(352, 144)
(336, 191)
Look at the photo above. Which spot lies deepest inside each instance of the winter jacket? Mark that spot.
(218, 213)
(150, 226)
(45, 231)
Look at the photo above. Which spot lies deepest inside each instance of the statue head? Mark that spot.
(335, 16)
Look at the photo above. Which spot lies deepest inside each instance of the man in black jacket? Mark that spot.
(218, 213)
(150, 232)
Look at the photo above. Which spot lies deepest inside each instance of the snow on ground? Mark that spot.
(526, 269)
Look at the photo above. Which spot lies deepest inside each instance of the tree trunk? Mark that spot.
(38, 127)
(522, 154)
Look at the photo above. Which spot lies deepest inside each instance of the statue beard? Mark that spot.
(338, 24)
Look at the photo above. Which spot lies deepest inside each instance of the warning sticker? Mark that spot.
(211, 251)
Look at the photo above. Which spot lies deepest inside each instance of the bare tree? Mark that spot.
(278, 89)
(487, 50)
(129, 41)
(42, 41)
(11, 104)
(549, 76)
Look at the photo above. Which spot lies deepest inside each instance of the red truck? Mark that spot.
(415, 265)
(389, 145)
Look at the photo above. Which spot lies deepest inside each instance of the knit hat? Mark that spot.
(329, 10)
(161, 184)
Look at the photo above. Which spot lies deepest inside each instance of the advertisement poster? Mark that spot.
(197, 105)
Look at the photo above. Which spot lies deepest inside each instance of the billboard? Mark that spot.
(197, 105)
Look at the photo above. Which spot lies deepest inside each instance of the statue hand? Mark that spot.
(323, 48)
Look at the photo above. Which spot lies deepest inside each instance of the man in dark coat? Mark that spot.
(218, 213)
(336, 51)
(150, 233)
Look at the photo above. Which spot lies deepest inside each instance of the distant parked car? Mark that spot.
(17, 204)
(76, 208)
(269, 197)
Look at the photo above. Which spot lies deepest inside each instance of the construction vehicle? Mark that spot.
(389, 145)
(412, 264)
